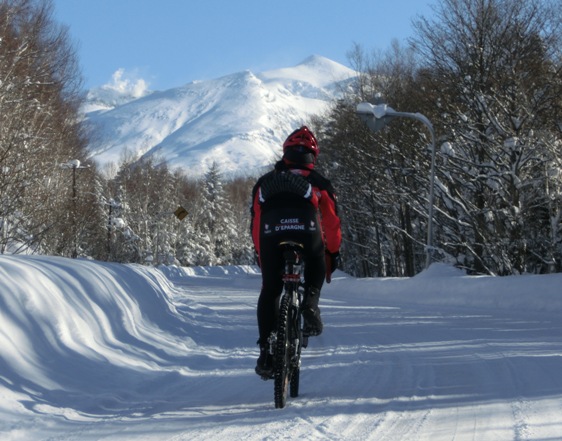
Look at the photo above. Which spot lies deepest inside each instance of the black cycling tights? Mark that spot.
(271, 258)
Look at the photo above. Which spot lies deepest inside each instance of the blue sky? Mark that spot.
(168, 43)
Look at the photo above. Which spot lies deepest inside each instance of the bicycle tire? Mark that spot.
(295, 374)
(282, 364)
(294, 384)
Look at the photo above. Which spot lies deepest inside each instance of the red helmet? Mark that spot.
(303, 141)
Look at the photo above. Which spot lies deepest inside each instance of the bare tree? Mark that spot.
(381, 179)
(40, 129)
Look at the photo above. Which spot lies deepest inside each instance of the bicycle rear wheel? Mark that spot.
(282, 365)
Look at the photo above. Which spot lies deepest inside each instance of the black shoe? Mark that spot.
(264, 365)
(312, 322)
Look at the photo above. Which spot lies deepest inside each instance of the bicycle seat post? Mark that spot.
(293, 261)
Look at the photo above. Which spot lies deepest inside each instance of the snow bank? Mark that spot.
(443, 284)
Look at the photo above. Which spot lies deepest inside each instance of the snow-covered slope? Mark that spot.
(238, 121)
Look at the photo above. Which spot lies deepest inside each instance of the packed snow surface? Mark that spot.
(103, 351)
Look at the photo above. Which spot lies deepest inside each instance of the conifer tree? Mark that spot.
(216, 229)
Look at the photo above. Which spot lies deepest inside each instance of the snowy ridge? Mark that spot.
(92, 350)
(238, 121)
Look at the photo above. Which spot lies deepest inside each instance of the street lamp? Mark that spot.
(377, 116)
(112, 223)
(74, 164)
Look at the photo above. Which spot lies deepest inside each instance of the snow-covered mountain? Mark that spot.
(238, 121)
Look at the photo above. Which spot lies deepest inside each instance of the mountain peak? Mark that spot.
(315, 60)
(318, 71)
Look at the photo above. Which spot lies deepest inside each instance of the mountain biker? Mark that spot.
(293, 202)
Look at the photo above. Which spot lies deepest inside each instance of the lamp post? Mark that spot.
(112, 222)
(74, 165)
(377, 116)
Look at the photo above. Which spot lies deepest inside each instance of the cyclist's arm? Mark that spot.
(330, 221)
(255, 212)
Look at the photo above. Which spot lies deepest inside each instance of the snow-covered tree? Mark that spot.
(488, 74)
(381, 179)
(39, 131)
(215, 230)
(493, 67)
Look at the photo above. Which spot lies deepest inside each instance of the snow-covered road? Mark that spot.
(94, 351)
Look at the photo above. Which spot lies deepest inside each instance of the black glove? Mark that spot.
(334, 261)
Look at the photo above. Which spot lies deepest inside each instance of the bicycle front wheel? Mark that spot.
(282, 353)
(296, 369)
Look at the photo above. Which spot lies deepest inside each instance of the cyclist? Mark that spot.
(293, 202)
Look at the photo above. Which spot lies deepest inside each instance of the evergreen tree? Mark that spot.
(216, 227)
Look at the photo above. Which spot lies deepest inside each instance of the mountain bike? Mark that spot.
(288, 341)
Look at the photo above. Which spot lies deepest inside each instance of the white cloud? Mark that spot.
(127, 84)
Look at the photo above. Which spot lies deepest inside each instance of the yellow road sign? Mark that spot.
(180, 213)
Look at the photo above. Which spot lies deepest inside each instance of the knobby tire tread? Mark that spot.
(282, 354)
(295, 375)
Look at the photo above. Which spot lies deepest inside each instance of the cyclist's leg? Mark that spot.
(315, 272)
(271, 260)
(272, 285)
